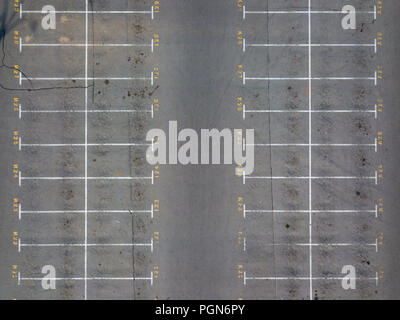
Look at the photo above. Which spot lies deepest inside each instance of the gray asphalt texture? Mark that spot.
(203, 246)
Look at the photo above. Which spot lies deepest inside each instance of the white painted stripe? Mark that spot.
(85, 245)
(310, 150)
(83, 211)
(87, 278)
(92, 12)
(89, 111)
(86, 178)
(306, 78)
(110, 211)
(306, 211)
(308, 278)
(86, 142)
(305, 45)
(312, 111)
(313, 145)
(304, 12)
(84, 45)
(321, 244)
(313, 177)
(84, 79)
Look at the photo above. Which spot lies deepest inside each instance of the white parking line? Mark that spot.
(310, 216)
(151, 111)
(303, 12)
(150, 12)
(275, 145)
(309, 12)
(338, 244)
(374, 111)
(89, 12)
(22, 78)
(244, 178)
(245, 278)
(374, 78)
(83, 45)
(86, 245)
(73, 145)
(82, 211)
(151, 278)
(110, 211)
(21, 45)
(85, 178)
(86, 139)
(314, 211)
(306, 45)
(312, 144)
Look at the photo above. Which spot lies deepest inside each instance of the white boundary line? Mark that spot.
(85, 178)
(374, 111)
(89, 111)
(327, 211)
(151, 278)
(85, 245)
(89, 12)
(305, 12)
(373, 145)
(374, 78)
(333, 244)
(310, 149)
(151, 12)
(309, 12)
(83, 45)
(110, 211)
(245, 278)
(21, 45)
(35, 145)
(89, 211)
(86, 142)
(21, 78)
(273, 145)
(305, 45)
(311, 177)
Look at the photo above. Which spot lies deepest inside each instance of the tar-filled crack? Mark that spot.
(270, 159)
(4, 28)
(32, 88)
